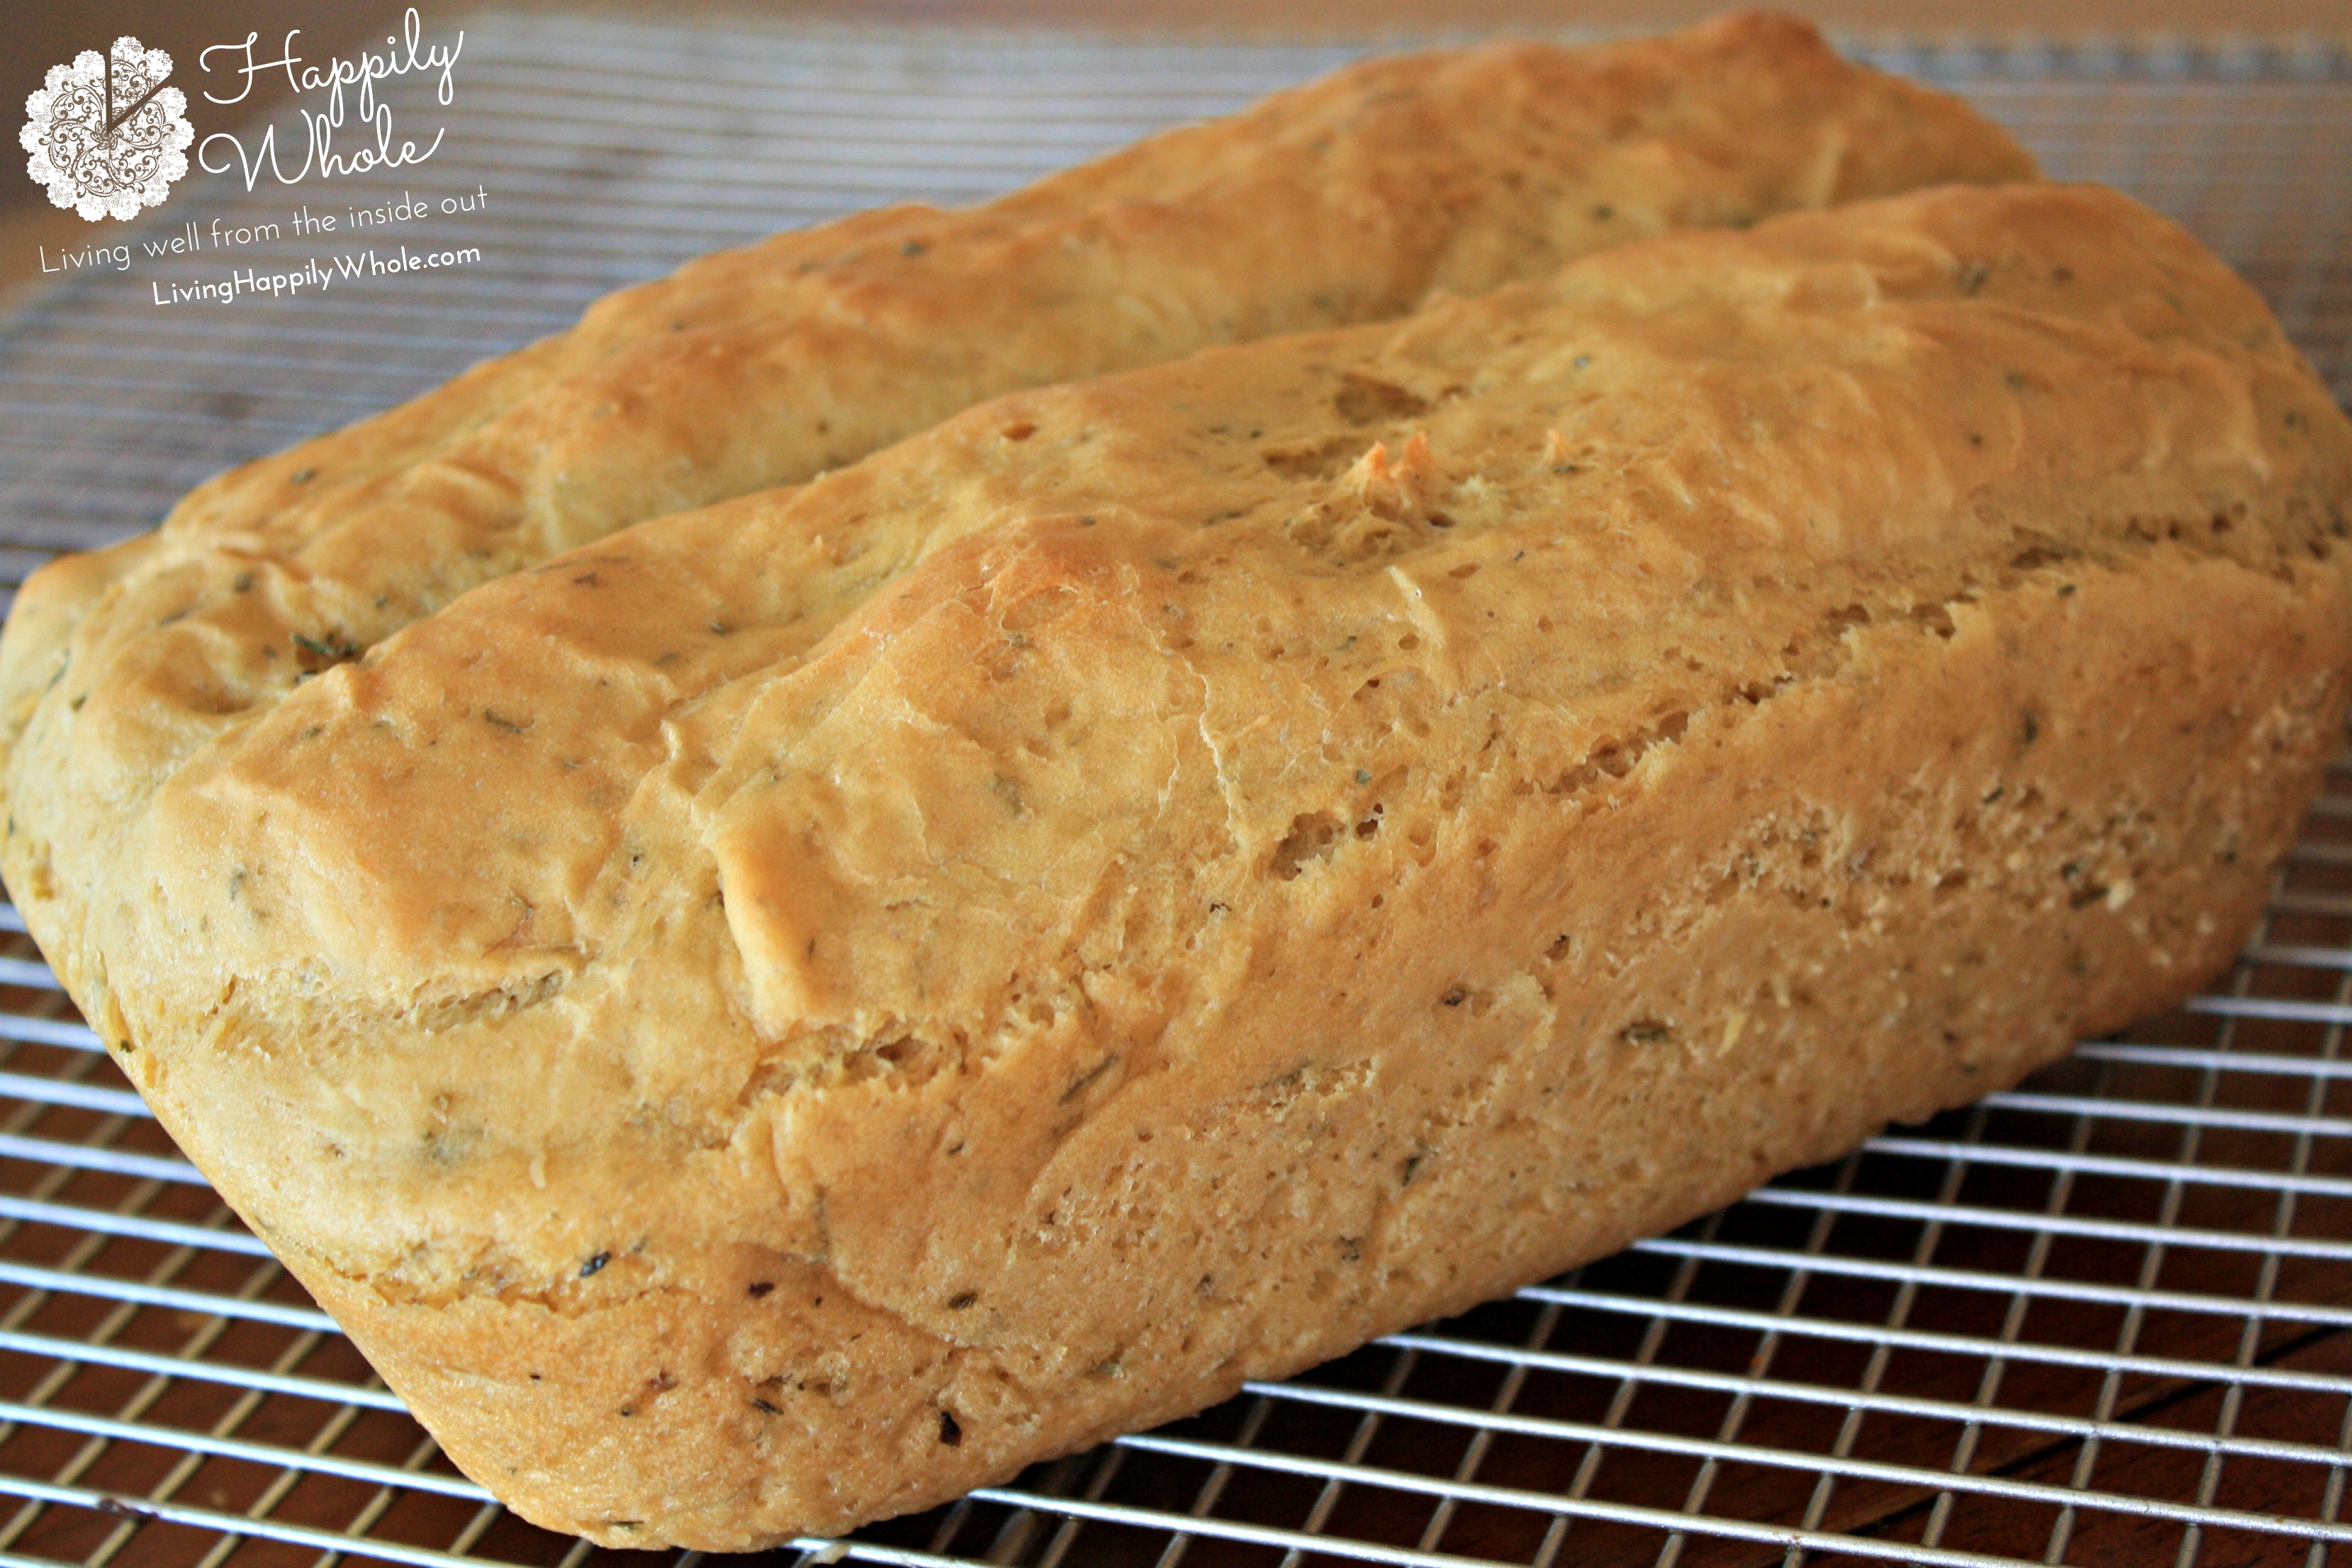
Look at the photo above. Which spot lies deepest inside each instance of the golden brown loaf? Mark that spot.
(1349, 199)
(802, 1007)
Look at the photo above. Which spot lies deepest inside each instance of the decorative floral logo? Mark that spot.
(106, 135)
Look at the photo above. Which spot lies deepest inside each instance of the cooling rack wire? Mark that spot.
(2106, 1318)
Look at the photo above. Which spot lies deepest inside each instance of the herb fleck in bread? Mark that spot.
(1161, 878)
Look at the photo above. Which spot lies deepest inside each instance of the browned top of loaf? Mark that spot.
(1345, 200)
(1087, 701)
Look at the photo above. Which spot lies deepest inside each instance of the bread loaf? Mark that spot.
(809, 1004)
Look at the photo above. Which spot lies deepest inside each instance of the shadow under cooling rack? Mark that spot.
(2106, 1318)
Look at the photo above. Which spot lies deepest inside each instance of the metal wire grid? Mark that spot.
(2100, 1319)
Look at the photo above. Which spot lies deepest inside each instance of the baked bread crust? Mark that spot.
(1349, 199)
(1345, 200)
(1161, 878)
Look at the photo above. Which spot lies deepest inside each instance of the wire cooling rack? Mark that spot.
(2106, 1318)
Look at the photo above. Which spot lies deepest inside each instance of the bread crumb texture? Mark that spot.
(796, 1009)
